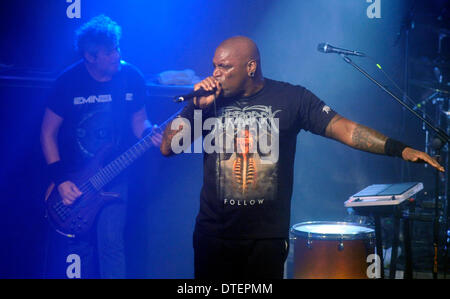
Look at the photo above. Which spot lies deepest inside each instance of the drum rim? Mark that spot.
(329, 236)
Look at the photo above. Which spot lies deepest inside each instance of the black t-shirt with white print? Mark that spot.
(248, 167)
(95, 114)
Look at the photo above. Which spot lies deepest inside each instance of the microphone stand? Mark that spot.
(441, 139)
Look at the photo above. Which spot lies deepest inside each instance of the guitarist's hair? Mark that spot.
(99, 31)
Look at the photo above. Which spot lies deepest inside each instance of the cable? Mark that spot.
(411, 101)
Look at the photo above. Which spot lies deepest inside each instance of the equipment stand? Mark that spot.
(441, 140)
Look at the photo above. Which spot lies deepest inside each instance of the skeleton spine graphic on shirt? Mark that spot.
(247, 172)
(244, 166)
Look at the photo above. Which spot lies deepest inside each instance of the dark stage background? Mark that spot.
(36, 42)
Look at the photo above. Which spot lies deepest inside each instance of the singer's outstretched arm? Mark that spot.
(366, 139)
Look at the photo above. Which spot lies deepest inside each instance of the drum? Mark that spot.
(331, 249)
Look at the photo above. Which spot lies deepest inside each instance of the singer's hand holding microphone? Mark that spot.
(204, 94)
(212, 90)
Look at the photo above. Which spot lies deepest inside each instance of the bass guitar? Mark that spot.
(77, 218)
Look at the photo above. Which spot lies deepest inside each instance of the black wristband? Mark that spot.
(58, 173)
(394, 148)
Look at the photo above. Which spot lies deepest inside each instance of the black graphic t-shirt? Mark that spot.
(249, 159)
(97, 115)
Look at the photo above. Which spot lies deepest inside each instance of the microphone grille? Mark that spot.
(323, 47)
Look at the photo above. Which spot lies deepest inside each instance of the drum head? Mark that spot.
(325, 230)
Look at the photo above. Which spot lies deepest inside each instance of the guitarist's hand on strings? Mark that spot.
(157, 136)
(69, 192)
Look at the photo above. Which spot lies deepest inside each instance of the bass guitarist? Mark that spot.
(96, 105)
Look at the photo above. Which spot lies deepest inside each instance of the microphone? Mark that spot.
(326, 48)
(198, 93)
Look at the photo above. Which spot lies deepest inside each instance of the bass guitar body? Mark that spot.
(78, 218)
